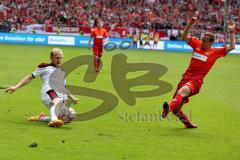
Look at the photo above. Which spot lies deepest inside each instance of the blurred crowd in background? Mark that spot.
(166, 16)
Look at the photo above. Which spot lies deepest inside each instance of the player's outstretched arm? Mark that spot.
(187, 29)
(72, 97)
(20, 84)
(232, 36)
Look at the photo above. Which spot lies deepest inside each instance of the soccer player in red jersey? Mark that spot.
(203, 58)
(98, 34)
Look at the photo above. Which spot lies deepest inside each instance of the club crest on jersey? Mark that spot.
(200, 57)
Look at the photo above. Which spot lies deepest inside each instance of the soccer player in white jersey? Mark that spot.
(55, 101)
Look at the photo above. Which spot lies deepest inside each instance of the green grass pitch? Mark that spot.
(215, 110)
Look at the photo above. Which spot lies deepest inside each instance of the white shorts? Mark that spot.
(47, 101)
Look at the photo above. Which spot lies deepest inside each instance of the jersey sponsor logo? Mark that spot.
(200, 57)
(99, 36)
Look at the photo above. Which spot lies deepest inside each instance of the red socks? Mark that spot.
(176, 102)
(97, 63)
(182, 117)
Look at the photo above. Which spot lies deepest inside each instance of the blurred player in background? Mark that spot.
(155, 39)
(141, 38)
(135, 39)
(52, 99)
(147, 40)
(203, 58)
(98, 34)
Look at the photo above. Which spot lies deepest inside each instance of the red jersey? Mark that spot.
(202, 60)
(98, 35)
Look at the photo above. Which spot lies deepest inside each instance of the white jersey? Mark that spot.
(45, 71)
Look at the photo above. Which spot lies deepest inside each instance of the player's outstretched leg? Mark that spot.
(184, 119)
(174, 104)
(42, 117)
(55, 122)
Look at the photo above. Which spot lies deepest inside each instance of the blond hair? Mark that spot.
(56, 51)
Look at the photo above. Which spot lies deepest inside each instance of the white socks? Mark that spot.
(53, 113)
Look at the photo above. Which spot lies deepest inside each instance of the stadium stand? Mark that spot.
(161, 15)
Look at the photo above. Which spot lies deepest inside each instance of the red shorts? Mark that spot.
(147, 43)
(155, 42)
(194, 85)
(97, 50)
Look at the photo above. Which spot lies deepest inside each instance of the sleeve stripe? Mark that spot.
(52, 94)
(33, 76)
